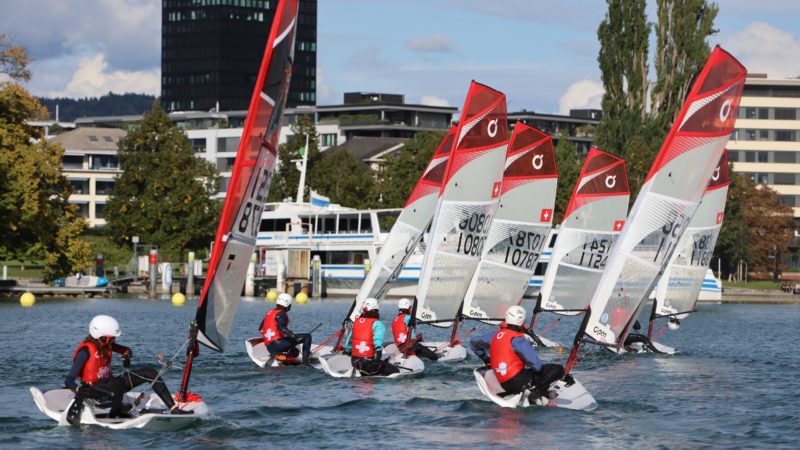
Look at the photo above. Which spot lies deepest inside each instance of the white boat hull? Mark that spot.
(443, 350)
(641, 347)
(562, 396)
(260, 355)
(339, 366)
(55, 404)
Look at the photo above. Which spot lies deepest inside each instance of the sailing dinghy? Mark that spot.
(668, 199)
(562, 395)
(233, 246)
(594, 218)
(467, 203)
(677, 290)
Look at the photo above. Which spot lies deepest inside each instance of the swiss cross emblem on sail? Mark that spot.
(720, 215)
(496, 189)
(546, 215)
(618, 224)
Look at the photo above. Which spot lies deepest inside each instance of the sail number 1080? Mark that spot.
(472, 233)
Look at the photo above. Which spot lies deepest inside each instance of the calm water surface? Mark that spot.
(734, 384)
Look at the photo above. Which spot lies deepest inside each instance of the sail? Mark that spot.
(520, 226)
(467, 203)
(668, 198)
(249, 185)
(594, 218)
(408, 229)
(679, 286)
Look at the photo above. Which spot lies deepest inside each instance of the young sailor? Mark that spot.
(364, 343)
(280, 341)
(509, 354)
(401, 333)
(91, 365)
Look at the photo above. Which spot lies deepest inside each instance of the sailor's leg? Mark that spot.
(549, 374)
(305, 339)
(115, 388)
(386, 368)
(280, 346)
(521, 381)
(421, 350)
(142, 375)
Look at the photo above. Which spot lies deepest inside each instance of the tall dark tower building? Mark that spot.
(211, 51)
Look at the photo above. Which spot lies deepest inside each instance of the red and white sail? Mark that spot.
(594, 218)
(408, 229)
(249, 185)
(520, 226)
(679, 286)
(467, 203)
(668, 199)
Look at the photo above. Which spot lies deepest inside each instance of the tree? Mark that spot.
(569, 169)
(732, 241)
(401, 171)
(38, 221)
(287, 177)
(344, 178)
(164, 192)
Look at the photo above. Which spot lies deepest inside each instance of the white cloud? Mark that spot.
(763, 48)
(432, 100)
(326, 94)
(435, 43)
(92, 78)
(582, 94)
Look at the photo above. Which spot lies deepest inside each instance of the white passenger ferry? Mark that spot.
(346, 240)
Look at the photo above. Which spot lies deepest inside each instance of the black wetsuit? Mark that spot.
(114, 388)
(287, 344)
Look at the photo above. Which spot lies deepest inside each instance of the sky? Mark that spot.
(541, 54)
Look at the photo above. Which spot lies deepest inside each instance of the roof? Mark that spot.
(368, 148)
(86, 138)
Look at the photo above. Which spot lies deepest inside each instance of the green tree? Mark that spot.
(164, 192)
(38, 221)
(344, 178)
(401, 170)
(732, 241)
(287, 177)
(569, 169)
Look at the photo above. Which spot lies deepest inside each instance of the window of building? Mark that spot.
(749, 156)
(104, 162)
(79, 187)
(225, 164)
(99, 210)
(785, 114)
(784, 178)
(748, 135)
(785, 157)
(72, 162)
(762, 178)
(763, 135)
(785, 135)
(788, 200)
(198, 145)
(82, 209)
(328, 139)
(733, 156)
(747, 113)
(763, 157)
(103, 187)
(228, 144)
(93, 138)
(763, 113)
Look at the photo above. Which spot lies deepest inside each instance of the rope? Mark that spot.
(165, 367)
(326, 342)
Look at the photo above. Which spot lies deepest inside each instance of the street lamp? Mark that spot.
(135, 240)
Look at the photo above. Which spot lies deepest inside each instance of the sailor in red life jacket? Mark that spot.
(364, 343)
(280, 341)
(401, 333)
(91, 367)
(510, 352)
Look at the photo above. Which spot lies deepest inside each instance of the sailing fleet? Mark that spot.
(484, 206)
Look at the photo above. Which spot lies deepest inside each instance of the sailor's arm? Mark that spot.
(523, 348)
(76, 369)
(480, 344)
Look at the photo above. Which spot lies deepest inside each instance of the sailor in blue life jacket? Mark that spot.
(364, 343)
(91, 376)
(281, 342)
(401, 334)
(510, 352)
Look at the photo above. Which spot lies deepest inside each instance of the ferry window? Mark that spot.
(359, 257)
(327, 224)
(307, 222)
(366, 223)
(273, 225)
(348, 223)
(541, 268)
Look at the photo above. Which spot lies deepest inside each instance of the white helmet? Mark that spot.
(404, 303)
(515, 315)
(104, 326)
(674, 324)
(284, 300)
(370, 304)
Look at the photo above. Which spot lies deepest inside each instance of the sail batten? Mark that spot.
(249, 185)
(667, 200)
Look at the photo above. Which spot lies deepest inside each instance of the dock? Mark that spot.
(14, 289)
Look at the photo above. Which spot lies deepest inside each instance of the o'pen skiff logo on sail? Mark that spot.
(492, 128)
(537, 162)
(611, 181)
(725, 110)
(715, 177)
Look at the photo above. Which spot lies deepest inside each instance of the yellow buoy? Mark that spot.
(178, 299)
(301, 298)
(272, 295)
(27, 300)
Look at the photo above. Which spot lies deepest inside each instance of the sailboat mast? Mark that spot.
(301, 186)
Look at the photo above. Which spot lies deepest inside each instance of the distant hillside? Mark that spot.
(110, 104)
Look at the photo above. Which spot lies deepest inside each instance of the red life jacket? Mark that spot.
(98, 366)
(505, 361)
(270, 327)
(400, 330)
(362, 340)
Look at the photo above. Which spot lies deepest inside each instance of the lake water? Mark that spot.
(734, 384)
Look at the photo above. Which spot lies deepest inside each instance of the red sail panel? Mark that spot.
(709, 111)
(531, 156)
(721, 177)
(483, 126)
(602, 175)
(249, 185)
(432, 178)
